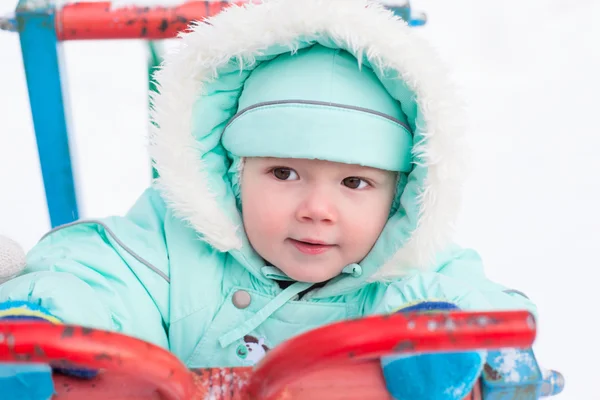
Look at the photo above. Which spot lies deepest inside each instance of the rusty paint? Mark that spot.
(448, 331)
(68, 332)
(129, 22)
(65, 364)
(103, 356)
(70, 347)
(492, 373)
(164, 24)
(23, 357)
(210, 379)
(86, 331)
(404, 346)
(365, 340)
(39, 351)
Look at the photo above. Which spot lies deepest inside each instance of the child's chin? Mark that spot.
(311, 277)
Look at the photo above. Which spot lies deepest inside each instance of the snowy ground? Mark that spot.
(529, 73)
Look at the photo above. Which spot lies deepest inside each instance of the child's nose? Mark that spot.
(317, 206)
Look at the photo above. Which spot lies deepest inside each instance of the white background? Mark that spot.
(528, 70)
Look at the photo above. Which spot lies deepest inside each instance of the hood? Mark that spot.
(199, 85)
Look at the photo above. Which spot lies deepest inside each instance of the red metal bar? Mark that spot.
(308, 366)
(99, 20)
(65, 346)
(374, 337)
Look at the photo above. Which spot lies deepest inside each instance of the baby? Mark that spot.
(309, 155)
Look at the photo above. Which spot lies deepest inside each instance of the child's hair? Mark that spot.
(236, 169)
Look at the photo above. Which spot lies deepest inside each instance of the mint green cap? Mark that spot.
(319, 103)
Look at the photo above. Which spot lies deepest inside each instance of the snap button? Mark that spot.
(241, 299)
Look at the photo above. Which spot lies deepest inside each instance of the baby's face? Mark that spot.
(311, 218)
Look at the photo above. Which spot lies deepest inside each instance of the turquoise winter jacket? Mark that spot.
(178, 271)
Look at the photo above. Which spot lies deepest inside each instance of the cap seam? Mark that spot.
(316, 104)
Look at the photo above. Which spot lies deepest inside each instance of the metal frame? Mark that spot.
(41, 27)
(42, 61)
(345, 354)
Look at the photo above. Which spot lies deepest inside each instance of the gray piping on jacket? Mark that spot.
(315, 103)
(514, 291)
(156, 270)
(116, 239)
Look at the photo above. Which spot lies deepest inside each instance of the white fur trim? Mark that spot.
(367, 28)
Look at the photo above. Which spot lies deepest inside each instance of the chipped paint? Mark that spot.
(365, 340)
(68, 347)
(8, 23)
(104, 20)
(456, 391)
(507, 362)
(432, 326)
(68, 331)
(33, 5)
(129, 19)
(491, 372)
(405, 346)
(221, 383)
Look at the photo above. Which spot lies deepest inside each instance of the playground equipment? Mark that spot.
(42, 26)
(338, 361)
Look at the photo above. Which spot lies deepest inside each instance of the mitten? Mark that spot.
(439, 376)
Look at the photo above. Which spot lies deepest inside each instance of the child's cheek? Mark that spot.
(364, 228)
(274, 210)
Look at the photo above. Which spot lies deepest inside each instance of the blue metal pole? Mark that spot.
(35, 24)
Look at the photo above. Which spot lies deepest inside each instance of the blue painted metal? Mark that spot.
(404, 10)
(514, 374)
(553, 383)
(35, 24)
(26, 381)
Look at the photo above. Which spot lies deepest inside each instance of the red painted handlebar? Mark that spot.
(343, 343)
(100, 20)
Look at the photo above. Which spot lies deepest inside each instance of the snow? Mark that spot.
(507, 361)
(455, 391)
(230, 382)
(529, 73)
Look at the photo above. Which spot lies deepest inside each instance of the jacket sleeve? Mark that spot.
(109, 274)
(460, 279)
(465, 265)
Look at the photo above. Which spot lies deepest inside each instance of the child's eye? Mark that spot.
(284, 174)
(355, 183)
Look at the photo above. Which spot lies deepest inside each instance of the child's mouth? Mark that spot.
(311, 247)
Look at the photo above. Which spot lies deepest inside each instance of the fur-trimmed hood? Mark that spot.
(213, 60)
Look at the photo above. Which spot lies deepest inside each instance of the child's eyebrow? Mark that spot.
(376, 173)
